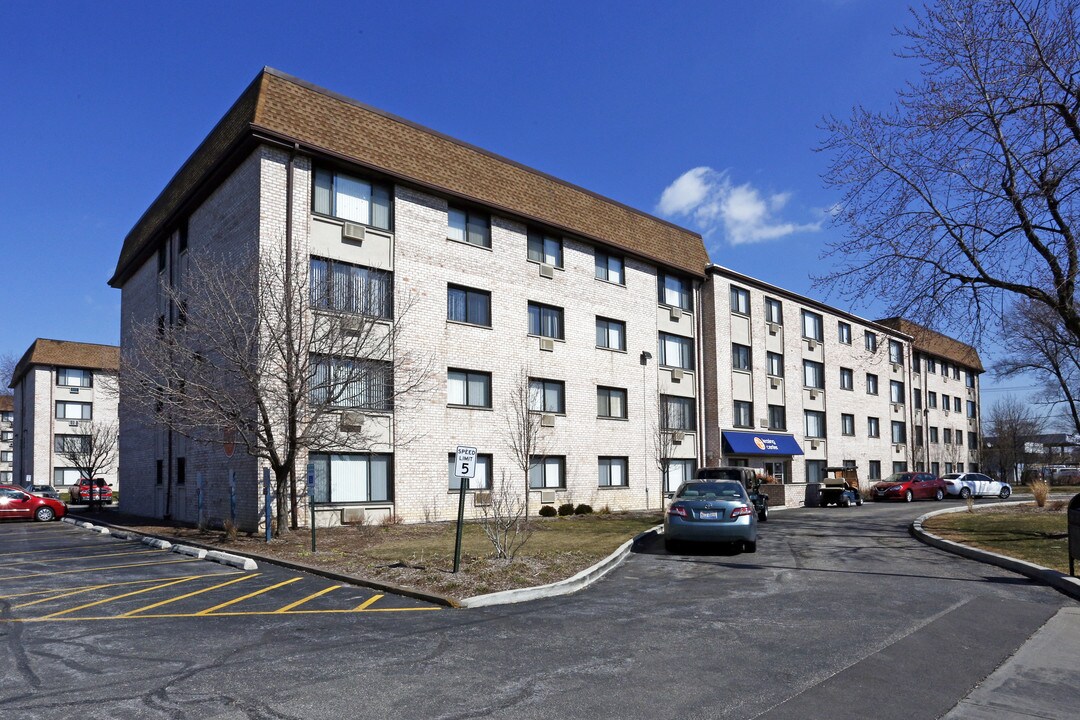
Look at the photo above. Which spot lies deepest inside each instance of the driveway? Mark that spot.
(839, 614)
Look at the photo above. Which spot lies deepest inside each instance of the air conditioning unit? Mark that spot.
(945, 410)
(547, 344)
(763, 422)
(74, 391)
(73, 423)
(678, 436)
(547, 271)
(811, 345)
(547, 496)
(944, 378)
(351, 325)
(547, 420)
(352, 515)
(774, 383)
(896, 407)
(896, 367)
(353, 231)
(896, 448)
(482, 499)
(352, 420)
(814, 394)
(813, 444)
(675, 314)
(676, 375)
(773, 328)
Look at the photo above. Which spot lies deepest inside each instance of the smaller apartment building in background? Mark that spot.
(61, 389)
(6, 434)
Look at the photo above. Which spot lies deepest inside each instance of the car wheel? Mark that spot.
(939, 494)
(908, 497)
(858, 503)
(763, 516)
(44, 514)
(750, 546)
(845, 503)
(1005, 492)
(965, 493)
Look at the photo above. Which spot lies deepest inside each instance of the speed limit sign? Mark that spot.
(465, 462)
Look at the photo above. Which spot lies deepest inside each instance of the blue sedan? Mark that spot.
(711, 511)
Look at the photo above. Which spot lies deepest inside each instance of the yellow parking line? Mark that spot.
(83, 557)
(207, 611)
(312, 596)
(117, 597)
(57, 597)
(108, 585)
(35, 552)
(367, 603)
(96, 569)
(191, 594)
(170, 616)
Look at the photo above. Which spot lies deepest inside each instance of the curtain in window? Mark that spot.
(380, 207)
(478, 389)
(321, 490)
(553, 397)
(456, 305)
(479, 230)
(546, 473)
(319, 274)
(324, 188)
(350, 478)
(455, 225)
(455, 388)
(479, 308)
(352, 199)
(379, 475)
(551, 323)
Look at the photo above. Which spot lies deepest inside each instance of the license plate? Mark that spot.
(707, 515)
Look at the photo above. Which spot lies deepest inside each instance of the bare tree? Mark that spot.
(8, 361)
(293, 365)
(92, 454)
(963, 195)
(523, 427)
(1010, 429)
(505, 520)
(1038, 345)
(663, 450)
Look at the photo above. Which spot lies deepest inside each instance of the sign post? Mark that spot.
(464, 469)
(266, 500)
(311, 500)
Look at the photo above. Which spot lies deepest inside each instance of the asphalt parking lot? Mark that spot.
(55, 572)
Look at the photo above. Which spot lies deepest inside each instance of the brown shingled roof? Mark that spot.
(280, 106)
(65, 353)
(7, 403)
(934, 343)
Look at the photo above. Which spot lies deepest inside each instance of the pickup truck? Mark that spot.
(87, 491)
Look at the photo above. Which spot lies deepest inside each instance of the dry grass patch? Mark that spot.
(1025, 532)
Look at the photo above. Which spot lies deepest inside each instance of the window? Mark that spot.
(774, 311)
(960, 437)
(971, 408)
(74, 411)
(159, 472)
(65, 476)
(482, 479)
(676, 472)
(813, 374)
(674, 291)
(363, 384)
(548, 396)
(918, 435)
(871, 384)
(609, 268)
(933, 432)
(815, 471)
(182, 237)
(775, 364)
(181, 470)
(676, 351)
(916, 396)
(545, 321)
(875, 470)
(6, 455)
(468, 226)
(899, 467)
(916, 362)
(847, 379)
(896, 392)
(612, 471)
(74, 377)
(468, 306)
(6, 434)
(545, 249)
(611, 402)
(948, 468)
(815, 424)
(899, 432)
(931, 399)
(71, 443)
(956, 372)
(162, 256)
(931, 365)
(468, 388)
(353, 477)
(350, 198)
(610, 334)
(5, 477)
(7, 416)
(844, 332)
(946, 436)
(740, 357)
(677, 413)
(969, 378)
(847, 424)
(873, 427)
(945, 404)
(777, 417)
(744, 414)
(896, 352)
(740, 300)
(547, 472)
(956, 403)
(871, 341)
(349, 288)
(812, 326)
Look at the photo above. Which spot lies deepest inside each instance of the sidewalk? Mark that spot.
(1041, 680)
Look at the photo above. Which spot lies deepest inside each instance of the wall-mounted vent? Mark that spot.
(547, 344)
(482, 499)
(354, 232)
(547, 271)
(547, 420)
(352, 325)
(774, 383)
(676, 375)
(896, 367)
(352, 420)
(814, 394)
(763, 422)
(896, 407)
(74, 391)
(773, 328)
(675, 314)
(811, 345)
(352, 515)
(678, 436)
(547, 496)
(814, 444)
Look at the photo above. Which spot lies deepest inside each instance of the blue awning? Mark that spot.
(750, 443)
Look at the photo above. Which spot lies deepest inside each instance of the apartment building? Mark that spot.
(7, 431)
(504, 270)
(945, 403)
(62, 389)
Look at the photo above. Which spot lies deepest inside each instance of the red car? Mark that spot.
(908, 486)
(17, 504)
(86, 490)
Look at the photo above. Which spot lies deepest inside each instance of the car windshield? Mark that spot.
(951, 476)
(712, 491)
(720, 473)
(897, 478)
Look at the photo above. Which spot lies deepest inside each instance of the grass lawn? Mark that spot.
(1054, 489)
(1025, 532)
(421, 556)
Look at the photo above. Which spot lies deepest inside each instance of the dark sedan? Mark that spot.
(908, 486)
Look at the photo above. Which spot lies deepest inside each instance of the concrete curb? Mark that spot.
(564, 587)
(155, 542)
(236, 561)
(188, 550)
(1059, 581)
(69, 520)
(101, 530)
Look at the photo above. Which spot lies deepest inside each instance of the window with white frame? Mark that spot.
(545, 321)
(610, 334)
(7, 416)
(609, 268)
(66, 476)
(873, 427)
(352, 383)
(740, 300)
(545, 249)
(71, 443)
(812, 326)
(547, 472)
(813, 374)
(676, 351)
(844, 332)
(468, 306)
(482, 478)
(468, 226)
(740, 357)
(468, 388)
(676, 472)
(353, 477)
(611, 403)
(847, 379)
(613, 471)
(547, 396)
(815, 423)
(74, 410)
(774, 311)
(847, 424)
(351, 198)
(774, 364)
(74, 377)
(743, 414)
(674, 291)
(347, 288)
(677, 413)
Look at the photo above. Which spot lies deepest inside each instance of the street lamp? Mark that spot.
(646, 356)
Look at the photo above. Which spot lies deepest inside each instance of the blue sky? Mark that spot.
(104, 101)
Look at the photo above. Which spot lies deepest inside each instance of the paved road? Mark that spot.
(839, 614)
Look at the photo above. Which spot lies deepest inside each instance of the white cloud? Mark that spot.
(713, 203)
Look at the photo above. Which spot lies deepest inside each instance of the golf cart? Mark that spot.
(840, 487)
(750, 479)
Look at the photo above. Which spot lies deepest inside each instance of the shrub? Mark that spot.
(548, 511)
(1041, 490)
(230, 530)
(606, 510)
(583, 509)
(566, 509)
(970, 500)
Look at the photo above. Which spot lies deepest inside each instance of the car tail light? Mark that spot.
(677, 510)
(740, 511)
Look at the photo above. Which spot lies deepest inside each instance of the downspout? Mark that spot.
(289, 326)
(703, 431)
(169, 433)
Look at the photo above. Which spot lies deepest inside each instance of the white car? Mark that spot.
(966, 485)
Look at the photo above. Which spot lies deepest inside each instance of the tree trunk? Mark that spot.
(281, 482)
